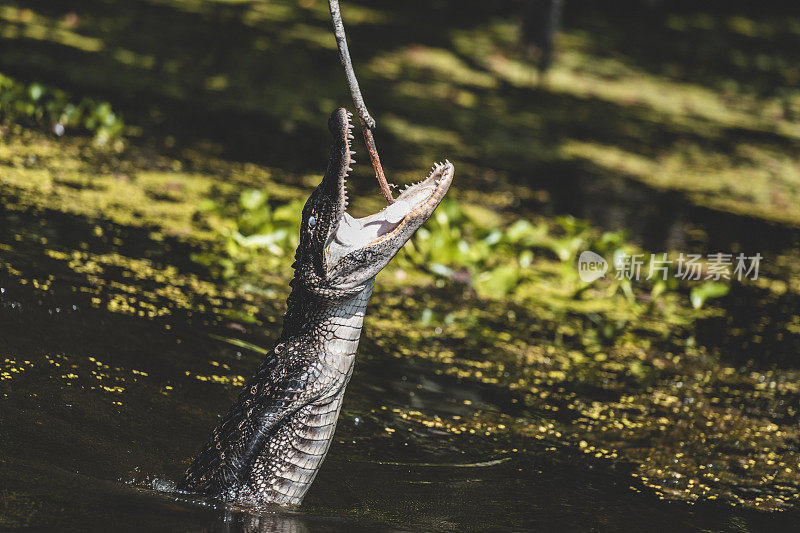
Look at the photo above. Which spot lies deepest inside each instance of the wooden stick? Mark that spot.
(367, 122)
(376, 163)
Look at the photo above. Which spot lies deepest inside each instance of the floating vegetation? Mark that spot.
(51, 108)
(251, 227)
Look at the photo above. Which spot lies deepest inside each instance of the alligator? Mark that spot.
(271, 443)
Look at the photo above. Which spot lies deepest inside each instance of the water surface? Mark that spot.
(110, 383)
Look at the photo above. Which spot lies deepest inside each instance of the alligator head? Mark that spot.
(339, 253)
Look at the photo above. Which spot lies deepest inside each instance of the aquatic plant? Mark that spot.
(249, 226)
(466, 248)
(536, 263)
(706, 291)
(36, 104)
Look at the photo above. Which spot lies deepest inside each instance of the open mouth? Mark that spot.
(415, 202)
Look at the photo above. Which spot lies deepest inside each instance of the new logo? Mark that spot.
(591, 266)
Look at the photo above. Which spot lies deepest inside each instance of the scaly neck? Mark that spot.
(331, 326)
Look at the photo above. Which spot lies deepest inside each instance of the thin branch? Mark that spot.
(372, 150)
(344, 57)
(367, 122)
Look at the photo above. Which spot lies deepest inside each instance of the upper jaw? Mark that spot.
(340, 164)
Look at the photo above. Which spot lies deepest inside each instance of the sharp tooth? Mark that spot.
(352, 152)
(349, 169)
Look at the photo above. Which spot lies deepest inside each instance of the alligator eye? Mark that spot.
(312, 221)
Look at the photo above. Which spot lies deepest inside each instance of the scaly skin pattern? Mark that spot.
(271, 443)
(302, 382)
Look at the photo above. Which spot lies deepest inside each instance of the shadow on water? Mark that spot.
(712, 46)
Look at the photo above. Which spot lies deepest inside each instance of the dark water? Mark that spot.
(100, 410)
